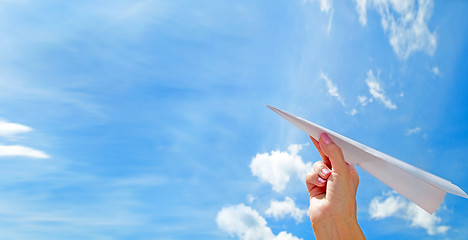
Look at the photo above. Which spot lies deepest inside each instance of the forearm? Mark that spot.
(333, 228)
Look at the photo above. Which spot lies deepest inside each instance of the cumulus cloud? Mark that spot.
(413, 131)
(391, 204)
(405, 23)
(245, 223)
(8, 129)
(281, 209)
(277, 168)
(377, 91)
(332, 88)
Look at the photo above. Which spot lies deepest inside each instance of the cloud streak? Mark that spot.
(8, 129)
(405, 23)
(21, 151)
(332, 88)
(412, 131)
(377, 91)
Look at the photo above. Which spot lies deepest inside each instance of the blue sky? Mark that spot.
(143, 119)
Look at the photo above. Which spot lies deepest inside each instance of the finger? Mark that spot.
(322, 155)
(316, 191)
(333, 152)
(354, 174)
(313, 179)
(322, 170)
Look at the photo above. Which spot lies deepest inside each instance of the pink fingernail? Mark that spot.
(326, 138)
(321, 180)
(325, 171)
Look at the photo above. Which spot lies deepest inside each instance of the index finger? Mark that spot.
(324, 157)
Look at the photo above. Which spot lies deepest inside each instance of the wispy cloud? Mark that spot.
(8, 129)
(361, 8)
(245, 223)
(281, 209)
(413, 131)
(278, 167)
(21, 151)
(325, 5)
(435, 71)
(405, 22)
(377, 91)
(392, 205)
(251, 198)
(363, 100)
(353, 112)
(330, 21)
(332, 88)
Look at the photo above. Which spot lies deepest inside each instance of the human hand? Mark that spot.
(332, 190)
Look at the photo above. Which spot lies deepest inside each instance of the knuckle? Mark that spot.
(334, 148)
(318, 164)
(308, 177)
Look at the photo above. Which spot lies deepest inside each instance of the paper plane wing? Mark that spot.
(424, 189)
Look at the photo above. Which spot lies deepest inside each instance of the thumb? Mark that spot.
(333, 152)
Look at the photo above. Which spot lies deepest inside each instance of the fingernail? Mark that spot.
(326, 138)
(325, 171)
(321, 180)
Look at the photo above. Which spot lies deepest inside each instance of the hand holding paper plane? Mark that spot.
(424, 189)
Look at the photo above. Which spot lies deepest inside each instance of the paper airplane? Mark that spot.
(424, 189)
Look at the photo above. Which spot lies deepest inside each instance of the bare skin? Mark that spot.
(332, 187)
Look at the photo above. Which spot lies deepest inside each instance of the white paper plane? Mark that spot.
(424, 189)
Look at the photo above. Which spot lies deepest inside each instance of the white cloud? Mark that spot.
(405, 22)
(9, 129)
(413, 131)
(332, 88)
(21, 151)
(361, 8)
(353, 112)
(330, 21)
(325, 5)
(377, 91)
(393, 205)
(281, 209)
(278, 167)
(436, 71)
(363, 100)
(251, 198)
(247, 224)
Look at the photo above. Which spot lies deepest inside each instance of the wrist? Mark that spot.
(337, 227)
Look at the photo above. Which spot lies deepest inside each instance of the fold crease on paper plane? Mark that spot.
(424, 189)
